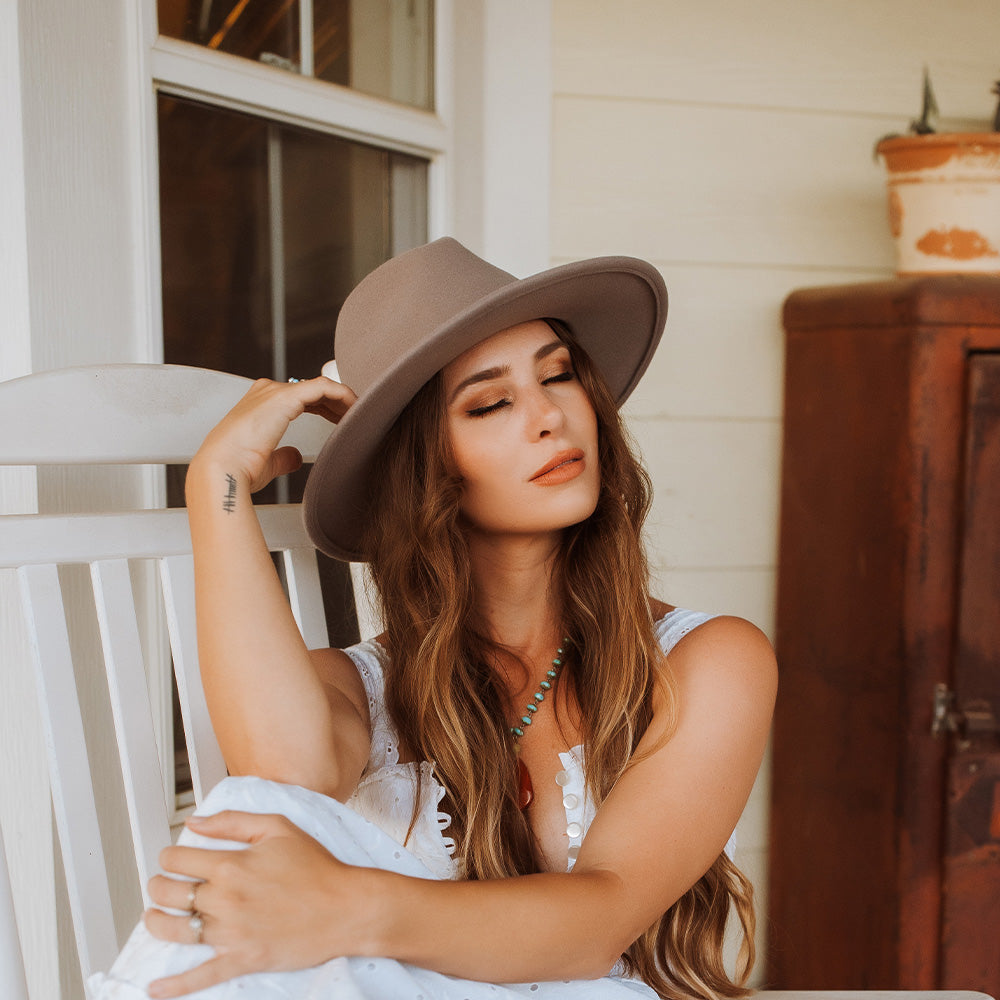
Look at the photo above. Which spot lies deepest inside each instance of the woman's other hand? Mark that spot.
(282, 903)
(246, 440)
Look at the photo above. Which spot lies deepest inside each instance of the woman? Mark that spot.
(550, 795)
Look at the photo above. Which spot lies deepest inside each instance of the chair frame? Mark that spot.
(168, 409)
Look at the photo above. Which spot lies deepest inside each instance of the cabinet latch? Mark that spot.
(974, 718)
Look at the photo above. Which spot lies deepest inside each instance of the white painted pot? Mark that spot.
(944, 202)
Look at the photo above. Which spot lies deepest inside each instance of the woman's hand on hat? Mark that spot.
(246, 440)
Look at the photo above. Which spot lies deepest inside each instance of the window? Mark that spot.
(278, 192)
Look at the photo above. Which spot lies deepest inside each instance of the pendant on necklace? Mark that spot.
(525, 790)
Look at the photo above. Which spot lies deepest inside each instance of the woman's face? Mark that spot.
(523, 434)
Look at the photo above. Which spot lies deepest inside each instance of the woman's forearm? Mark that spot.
(268, 706)
(533, 927)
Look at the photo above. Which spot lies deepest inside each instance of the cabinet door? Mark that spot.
(971, 899)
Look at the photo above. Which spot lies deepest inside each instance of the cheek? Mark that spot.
(474, 455)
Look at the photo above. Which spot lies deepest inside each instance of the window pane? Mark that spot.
(380, 47)
(267, 30)
(265, 229)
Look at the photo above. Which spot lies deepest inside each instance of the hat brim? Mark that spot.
(615, 308)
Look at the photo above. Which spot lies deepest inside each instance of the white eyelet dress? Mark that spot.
(369, 831)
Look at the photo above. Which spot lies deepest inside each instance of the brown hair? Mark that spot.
(443, 694)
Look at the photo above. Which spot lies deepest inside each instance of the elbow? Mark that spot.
(614, 928)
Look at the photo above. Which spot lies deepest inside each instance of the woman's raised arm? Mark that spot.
(278, 711)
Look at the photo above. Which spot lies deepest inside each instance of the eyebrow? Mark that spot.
(499, 371)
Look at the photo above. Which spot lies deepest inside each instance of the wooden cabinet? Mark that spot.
(885, 837)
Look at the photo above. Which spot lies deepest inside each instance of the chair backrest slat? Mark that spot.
(204, 755)
(13, 985)
(130, 706)
(132, 413)
(305, 596)
(369, 620)
(69, 771)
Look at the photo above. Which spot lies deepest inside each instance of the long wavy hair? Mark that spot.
(442, 686)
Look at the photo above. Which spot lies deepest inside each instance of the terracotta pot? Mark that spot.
(944, 201)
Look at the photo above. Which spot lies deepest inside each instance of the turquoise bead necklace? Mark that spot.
(539, 696)
(526, 791)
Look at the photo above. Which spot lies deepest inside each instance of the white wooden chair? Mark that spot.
(148, 414)
(124, 414)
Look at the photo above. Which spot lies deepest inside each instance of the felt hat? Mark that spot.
(419, 311)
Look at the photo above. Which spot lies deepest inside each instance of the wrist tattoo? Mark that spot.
(229, 502)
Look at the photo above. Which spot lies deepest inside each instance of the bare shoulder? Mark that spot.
(339, 674)
(726, 653)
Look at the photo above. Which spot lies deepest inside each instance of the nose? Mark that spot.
(547, 415)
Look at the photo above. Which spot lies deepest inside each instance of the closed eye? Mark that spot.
(485, 411)
(566, 376)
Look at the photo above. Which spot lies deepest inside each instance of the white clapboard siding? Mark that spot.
(130, 705)
(720, 185)
(204, 756)
(722, 355)
(854, 55)
(69, 771)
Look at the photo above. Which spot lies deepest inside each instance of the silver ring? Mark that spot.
(294, 380)
(197, 924)
(192, 894)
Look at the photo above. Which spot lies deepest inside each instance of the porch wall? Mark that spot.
(732, 146)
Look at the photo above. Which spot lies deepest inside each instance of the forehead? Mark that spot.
(502, 349)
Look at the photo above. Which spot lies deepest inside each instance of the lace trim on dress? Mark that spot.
(383, 760)
(369, 657)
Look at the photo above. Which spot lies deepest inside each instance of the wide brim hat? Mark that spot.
(419, 311)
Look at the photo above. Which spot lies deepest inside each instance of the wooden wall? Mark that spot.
(732, 146)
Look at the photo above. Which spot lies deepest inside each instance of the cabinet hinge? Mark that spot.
(974, 718)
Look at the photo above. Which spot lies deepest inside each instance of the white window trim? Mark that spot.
(188, 70)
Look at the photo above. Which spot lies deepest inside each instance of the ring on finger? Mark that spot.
(294, 380)
(197, 925)
(192, 898)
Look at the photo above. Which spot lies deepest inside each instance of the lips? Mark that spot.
(561, 467)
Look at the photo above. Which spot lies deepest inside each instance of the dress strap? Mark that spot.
(676, 624)
(370, 658)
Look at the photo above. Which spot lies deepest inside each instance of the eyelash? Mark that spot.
(484, 411)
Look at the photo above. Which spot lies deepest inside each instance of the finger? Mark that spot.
(332, 411)
(177, 928)
(200, 863)
(242, 826)
(323, 391)
(177, 894)
(215, 970)
(284, 460)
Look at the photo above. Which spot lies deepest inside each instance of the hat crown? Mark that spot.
(400, 304)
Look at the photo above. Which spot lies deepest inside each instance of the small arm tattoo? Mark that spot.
(229, 503)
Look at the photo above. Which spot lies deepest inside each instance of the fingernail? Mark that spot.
(194, 820)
